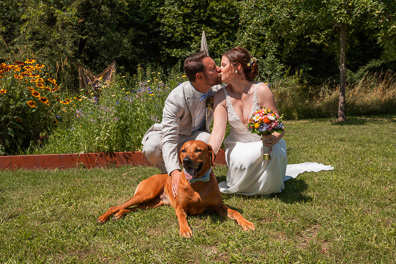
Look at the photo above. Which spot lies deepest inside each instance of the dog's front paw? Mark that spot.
(186, 232)
(101, 219)
(246, 225)
(116, 217)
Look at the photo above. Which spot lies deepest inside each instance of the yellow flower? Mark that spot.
(28, 68)
(31, 104)
(44, 100)
(2, 91)
(30, 61)
(18, 77)
(257, 125)
(35, 93)
(51, 80)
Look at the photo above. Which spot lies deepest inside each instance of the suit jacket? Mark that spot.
(177, 119)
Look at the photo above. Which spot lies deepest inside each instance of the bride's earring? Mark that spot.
(236, 71)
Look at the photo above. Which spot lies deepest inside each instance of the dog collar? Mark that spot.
(204, 178)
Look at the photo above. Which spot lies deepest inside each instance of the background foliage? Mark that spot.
(287, 36)
(296, 43)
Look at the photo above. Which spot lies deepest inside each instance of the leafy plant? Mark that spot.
(114, 117)
(29, 102)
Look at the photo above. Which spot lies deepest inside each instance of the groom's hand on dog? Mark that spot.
(175, 181)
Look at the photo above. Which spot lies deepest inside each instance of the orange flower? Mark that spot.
(25, 73)
(31, 104)
(266, 120)
(30, 61)
(2, 91)
(28, 68)
(18, 77)
(44, 100)
(35, 93)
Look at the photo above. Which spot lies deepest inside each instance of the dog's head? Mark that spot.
(196, 157)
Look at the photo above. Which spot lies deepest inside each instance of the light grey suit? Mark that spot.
(162, 141)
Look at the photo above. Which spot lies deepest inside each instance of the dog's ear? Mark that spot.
(212, 155)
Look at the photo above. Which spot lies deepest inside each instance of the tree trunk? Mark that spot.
(341, 99)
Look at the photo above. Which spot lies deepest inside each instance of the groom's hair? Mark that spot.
(194, 64)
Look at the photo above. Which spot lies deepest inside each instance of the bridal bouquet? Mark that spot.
(265, 122)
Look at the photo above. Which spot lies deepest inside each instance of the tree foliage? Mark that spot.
(287, 36)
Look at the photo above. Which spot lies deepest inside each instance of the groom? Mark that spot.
(185, 116)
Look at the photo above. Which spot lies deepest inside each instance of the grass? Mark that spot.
(341, 216)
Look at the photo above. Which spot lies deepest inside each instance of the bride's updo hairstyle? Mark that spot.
(248, 63)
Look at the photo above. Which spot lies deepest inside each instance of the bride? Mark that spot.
(248, 173)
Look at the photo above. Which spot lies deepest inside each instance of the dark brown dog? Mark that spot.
(198, 190)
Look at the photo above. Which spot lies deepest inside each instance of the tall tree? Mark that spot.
(297, 31)
(348, 16)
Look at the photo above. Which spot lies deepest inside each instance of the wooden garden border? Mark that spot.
(82, 160)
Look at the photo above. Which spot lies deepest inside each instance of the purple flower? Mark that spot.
(263, 128)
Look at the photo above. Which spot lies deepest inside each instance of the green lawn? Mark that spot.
(341, 216)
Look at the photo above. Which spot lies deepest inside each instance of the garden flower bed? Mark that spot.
(84, 160)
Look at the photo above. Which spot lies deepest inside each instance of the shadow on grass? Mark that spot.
(350, 122)
(293, 192)
(362, 120)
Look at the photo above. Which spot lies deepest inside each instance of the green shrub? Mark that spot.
(29, 102)
(113, 118)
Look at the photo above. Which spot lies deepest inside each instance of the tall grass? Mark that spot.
(373, 94)
(114, 117)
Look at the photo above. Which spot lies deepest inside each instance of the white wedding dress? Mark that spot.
(248, 174)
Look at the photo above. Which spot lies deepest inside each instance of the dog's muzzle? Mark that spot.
(189, 168)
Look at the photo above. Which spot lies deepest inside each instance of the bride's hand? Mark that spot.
(267, 140)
